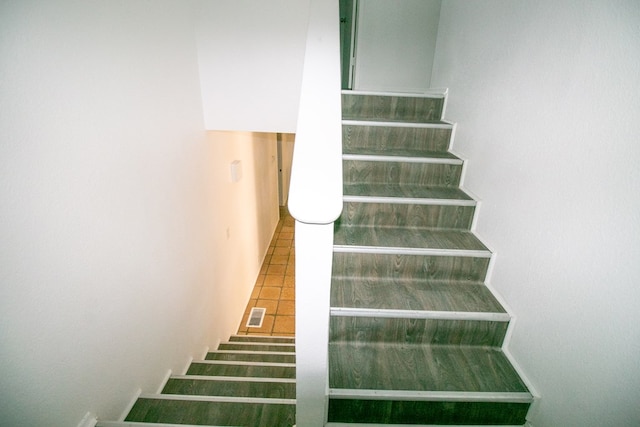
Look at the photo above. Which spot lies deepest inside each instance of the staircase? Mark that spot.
(415, 335)
(248, 381)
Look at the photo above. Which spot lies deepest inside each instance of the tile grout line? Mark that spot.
(274, 288)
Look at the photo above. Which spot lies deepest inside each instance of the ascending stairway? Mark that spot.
(415, 335)
(248, 381)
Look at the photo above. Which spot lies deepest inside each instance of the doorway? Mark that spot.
(348, 18)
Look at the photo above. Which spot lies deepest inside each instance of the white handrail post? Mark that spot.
(314, 249)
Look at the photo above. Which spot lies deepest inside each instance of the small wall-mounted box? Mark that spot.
(236, 171)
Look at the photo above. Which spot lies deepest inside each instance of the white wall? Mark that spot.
(546, 97)
(246, 215)
(114, 260)
(251, 55)
(395, 44)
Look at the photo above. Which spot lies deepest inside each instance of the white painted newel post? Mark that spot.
(315, 201)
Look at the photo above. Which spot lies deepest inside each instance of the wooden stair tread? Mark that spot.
(212, 413)
(399, 238)
(262, 339)
(431, 137)
(388, 366)
(399, 152)
(245, 388)
(412, 294)
(244, 370)
(404, 191)
(251, 357)
(434, 174)
(405, 108)
(253, 346)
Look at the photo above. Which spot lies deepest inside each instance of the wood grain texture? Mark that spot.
(387, 366)
(387, 137)
(409, 109)
(401, 237)
(406, 215)
(273, 390)
(212, 413)
(394, 331)
(225, 370)
(402, 152)
(412, 294)
(403, 191)
(426, 174)
(422, 413)
(458, 269)
(249, 357)
(244, 346)
(260, 338)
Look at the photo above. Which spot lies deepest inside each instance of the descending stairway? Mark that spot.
(248, 381)
(415, 335)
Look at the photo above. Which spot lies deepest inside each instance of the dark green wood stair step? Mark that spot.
(401, 173)
(407, 380)
(392, 107)
(201, 410)
(409, 266)
(432, 368)
(394, 152)
(391, 192)
(262, 339)
(232, 387)
(258, 346)
(395, 328)
(384, 214)
(412, 294)
(247, 356)
(392, 135)
(419, 241)
(234, 369)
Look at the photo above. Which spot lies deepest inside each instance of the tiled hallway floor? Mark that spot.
(274, 289)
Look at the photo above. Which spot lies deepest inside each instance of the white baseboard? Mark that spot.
(128, 408)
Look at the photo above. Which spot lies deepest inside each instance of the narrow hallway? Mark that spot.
(274, 289)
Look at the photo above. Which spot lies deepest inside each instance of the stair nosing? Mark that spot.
(238, 379)
(420, 314)
(436, 124)
(470, 253)
(427, 94)
(275, 344)
(410, 200)
(262, 353)
(264, 337)
(402, 159)
(201, 398)
(147, 424)
(434, 396)
(245, 363)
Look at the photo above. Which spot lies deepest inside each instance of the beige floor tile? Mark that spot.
(274, 280)
(277, 269)
(270, 304)
(281, 251)
(288, 294)
(270, 292)
(284, 325)
(286, 308)
(279, 259)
